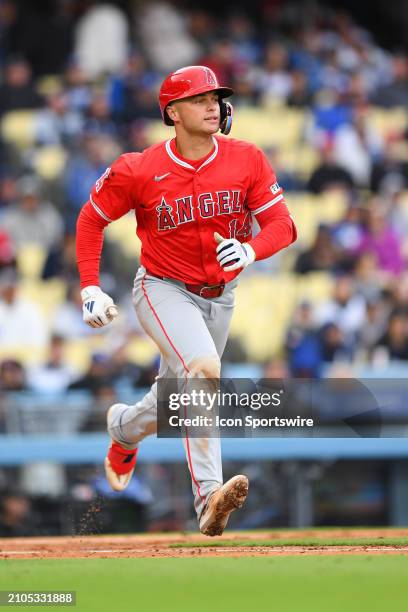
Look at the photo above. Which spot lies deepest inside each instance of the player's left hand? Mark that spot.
(232, 254)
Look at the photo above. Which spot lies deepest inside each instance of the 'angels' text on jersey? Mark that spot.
(169, 216)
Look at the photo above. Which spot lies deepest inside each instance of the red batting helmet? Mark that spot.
(187, 82)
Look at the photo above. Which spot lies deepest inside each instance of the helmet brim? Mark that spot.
(224, 92)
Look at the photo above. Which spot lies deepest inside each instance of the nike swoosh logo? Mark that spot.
(160, 178)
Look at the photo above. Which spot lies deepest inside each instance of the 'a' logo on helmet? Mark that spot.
(210, 77)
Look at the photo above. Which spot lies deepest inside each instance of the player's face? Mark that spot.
(198, 114)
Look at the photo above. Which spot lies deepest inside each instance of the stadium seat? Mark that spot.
(28, 356)
(272, 300)
(78, 353)
(49, 162)
(310, 210)
(18, 128)
(50, 84)
(123, 233)
(141, 350)
(48, 295)
(389, 121)
(300, 159)
(30, 261)
(314, 287)
(265, 128)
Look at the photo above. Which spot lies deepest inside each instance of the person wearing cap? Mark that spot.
(195, 197)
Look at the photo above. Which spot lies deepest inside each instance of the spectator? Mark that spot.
(99, 375)
(76, 86)
(57, 123)
(125, 373)
(368, 278)
(202, 26)
(333, 78)
(8, 190)
(137, 136)
(322, 255)
(373, 328)
(334, 345)
(223, 60)
(55, 375)
(329, 174)
(41, 31)
(98, 118)
(288, 179)
(383, 241)
(234, 351)
(12, 376)
(17, 91)
(397, 293)
(302, 343)
(357, 146)
(329, 114)
(345, 311)
(21, 323)
(275, 81)
(276, 369)
(127, 100)
(300, 95)
(68, 322)
(61, 261)
(32, 219)
(16, 517)
(242, 33)
(347, 233)
(101, 39)
(8, 20)
(389, 174)
(395, 339)
(305, 55)
(7, 250)
(161, 28)
(83, 170)
(95, 111)
(395, 93)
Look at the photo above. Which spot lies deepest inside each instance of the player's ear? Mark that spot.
(171, 110)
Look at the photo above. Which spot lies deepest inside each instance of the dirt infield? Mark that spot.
(159, 545)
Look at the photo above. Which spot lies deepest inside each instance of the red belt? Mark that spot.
(205, 291)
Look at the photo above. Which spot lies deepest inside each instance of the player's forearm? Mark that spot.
(89, 242)
(278, 231)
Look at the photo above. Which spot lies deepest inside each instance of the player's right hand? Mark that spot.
(98, 308)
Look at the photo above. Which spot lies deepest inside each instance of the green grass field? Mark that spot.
(311, 542)
(335, 583)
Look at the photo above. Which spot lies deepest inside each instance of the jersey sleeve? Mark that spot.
(114, 193)
(264, 190)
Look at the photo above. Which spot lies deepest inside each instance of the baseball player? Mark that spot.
(194, 197)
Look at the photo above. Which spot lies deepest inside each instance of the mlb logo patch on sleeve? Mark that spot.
(99, 183)
(275, 188)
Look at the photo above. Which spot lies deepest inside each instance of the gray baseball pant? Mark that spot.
(185, 327)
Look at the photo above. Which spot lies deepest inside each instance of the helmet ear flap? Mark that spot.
(227, 111)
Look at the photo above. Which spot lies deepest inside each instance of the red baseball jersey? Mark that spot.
(180, 204)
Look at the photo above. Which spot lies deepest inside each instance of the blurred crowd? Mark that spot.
(78, 86)
(89, 74)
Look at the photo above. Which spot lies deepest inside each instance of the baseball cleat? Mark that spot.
(120, 462)
(222, 502)
(119, 466)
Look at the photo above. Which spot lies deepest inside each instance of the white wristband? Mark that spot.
(90, 291)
